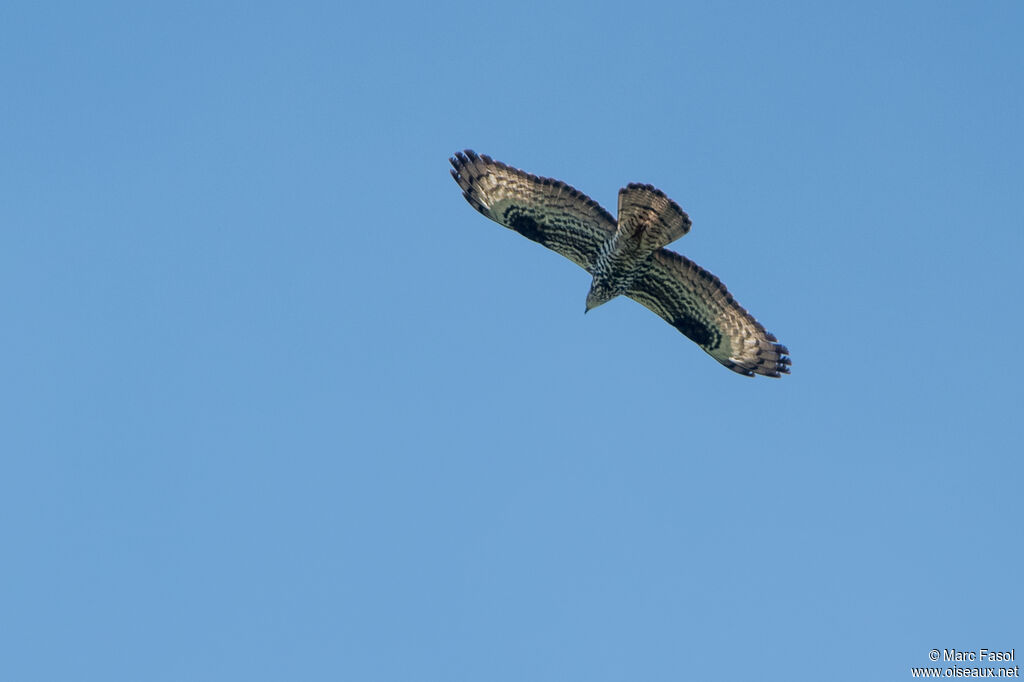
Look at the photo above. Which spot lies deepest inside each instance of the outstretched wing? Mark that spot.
(696, 303)
(547, 211)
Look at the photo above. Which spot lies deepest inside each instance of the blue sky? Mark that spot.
(278, 404)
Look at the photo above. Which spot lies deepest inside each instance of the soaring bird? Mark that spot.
(625, 257)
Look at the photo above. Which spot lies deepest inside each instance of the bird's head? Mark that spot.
(599, 294)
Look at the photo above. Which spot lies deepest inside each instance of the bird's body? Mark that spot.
(625, 256)
(648, 220)
(619, 262)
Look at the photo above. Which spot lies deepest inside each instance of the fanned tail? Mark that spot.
(646, 212)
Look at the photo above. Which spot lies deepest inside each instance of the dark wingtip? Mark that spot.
(783, 363)
(773, 362)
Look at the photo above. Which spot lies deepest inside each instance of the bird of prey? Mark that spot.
(625, 256)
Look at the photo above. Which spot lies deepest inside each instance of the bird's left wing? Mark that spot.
(696, 303)
(547, 211)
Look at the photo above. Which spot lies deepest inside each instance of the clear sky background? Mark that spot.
(278, 404)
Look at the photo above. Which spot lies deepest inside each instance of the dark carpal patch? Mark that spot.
(699, 332)
(524, 225)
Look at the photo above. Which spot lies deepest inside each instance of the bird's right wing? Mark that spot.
(547, 211)
(696, 303)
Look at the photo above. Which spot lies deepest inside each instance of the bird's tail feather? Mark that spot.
(646, 212)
